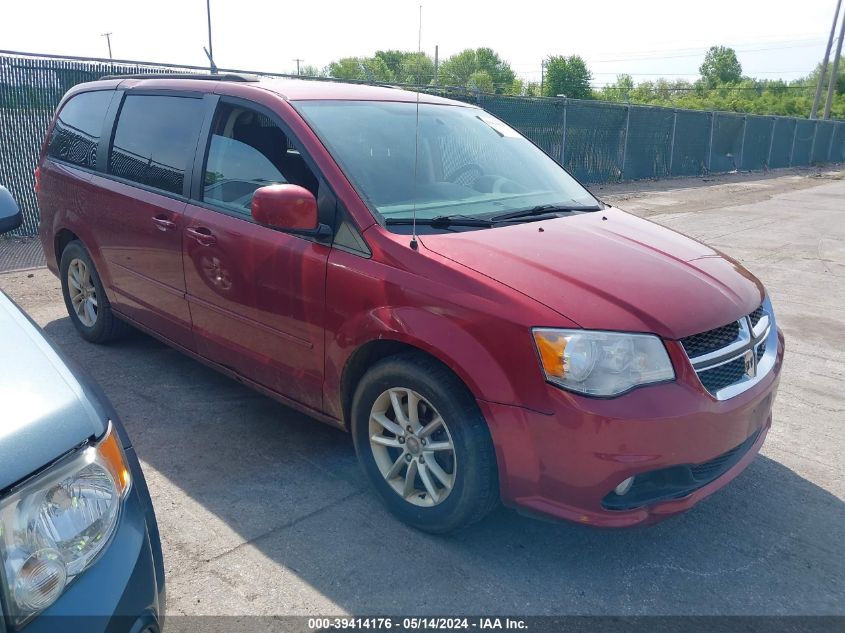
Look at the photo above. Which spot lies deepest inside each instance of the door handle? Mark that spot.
(201, 235)
(164, 223)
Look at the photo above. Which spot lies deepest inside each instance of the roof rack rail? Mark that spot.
(207, 77)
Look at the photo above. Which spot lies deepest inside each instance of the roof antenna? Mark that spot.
(416, 162)
(212, 66)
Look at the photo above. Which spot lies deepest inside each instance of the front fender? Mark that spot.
(478, 328)
(455, 347)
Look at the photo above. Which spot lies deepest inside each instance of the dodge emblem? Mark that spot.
(750, 366)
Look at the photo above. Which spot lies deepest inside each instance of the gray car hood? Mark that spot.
(44, 410)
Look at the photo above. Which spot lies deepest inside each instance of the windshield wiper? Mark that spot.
(443, 221)
(543, 209)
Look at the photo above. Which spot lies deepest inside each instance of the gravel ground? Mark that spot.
(263, 511)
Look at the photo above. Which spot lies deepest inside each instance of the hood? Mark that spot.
(44, 410)
(609, 270)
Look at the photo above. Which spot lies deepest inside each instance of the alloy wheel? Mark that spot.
(83, 294)
(412, 447)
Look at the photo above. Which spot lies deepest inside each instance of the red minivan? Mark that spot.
(413, 270)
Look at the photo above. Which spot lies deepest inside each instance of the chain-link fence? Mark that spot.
(594, 140)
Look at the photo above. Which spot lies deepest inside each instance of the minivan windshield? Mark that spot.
(469, 163)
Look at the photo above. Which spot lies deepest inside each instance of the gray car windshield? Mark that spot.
(468, 162)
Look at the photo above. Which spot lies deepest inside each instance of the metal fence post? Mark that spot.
(830, 144)
(771, 143)
(563, 138)
(813, 142)
(794, 135)
(742, 142)
(625, 144)
(710, 150)
(672, 142)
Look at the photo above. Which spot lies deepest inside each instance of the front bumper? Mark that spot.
(123, 591)
(565, 465)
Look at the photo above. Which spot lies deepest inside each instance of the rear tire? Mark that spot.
(85, 298)
(423, 444)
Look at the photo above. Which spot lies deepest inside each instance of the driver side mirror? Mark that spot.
(10, 212)
(289, 208)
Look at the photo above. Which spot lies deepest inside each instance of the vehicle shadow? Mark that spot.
(263, 510)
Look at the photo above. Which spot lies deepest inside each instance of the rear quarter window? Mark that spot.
(78, 127)
(155, 140)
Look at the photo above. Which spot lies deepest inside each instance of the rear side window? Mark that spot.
(155, 140)
(78, 127)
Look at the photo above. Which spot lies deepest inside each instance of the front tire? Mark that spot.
(85, 298)
(423, 444)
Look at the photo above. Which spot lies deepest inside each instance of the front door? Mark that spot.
(256, 294)
(140, 209)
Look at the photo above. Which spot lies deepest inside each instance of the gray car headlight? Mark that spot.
(600, 363)
(53, 526)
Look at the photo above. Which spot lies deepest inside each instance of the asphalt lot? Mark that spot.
(264, 511)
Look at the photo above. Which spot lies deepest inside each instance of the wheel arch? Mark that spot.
(62, 236)
(61, 239)
(370, 353)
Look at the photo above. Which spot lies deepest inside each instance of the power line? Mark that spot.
(686, 55)
(717, 89)
(741, 46)
(642, 55)
(674, 74)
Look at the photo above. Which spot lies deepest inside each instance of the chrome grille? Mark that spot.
(731, 358)
(722, 375)
(712, 340)
(756, 315)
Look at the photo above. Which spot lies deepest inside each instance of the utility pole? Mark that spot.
(818, 95)
(419, 37)
(210, 51)
(834, 73)
(436, 64)
(108, 40)
(297, 60)
(542, 75)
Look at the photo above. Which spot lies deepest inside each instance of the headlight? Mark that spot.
(601, 363)
(53, 526)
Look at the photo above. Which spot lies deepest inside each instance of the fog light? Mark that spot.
(40, 580)
(623, 488)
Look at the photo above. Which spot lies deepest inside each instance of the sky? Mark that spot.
(644, 38)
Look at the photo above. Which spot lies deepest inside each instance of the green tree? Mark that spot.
(531, 89)
(720, 66)
(309, 70)
(375, 69)
(416, 69)
(393, 60)
(620, 90)
(346, 68)
(517, 87)
(567, 76)
(361, 69)
(480, 80)
(458, 69)
(498, 69)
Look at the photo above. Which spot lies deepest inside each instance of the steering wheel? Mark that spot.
(465, 169)
(491, 183)
(500, 182)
